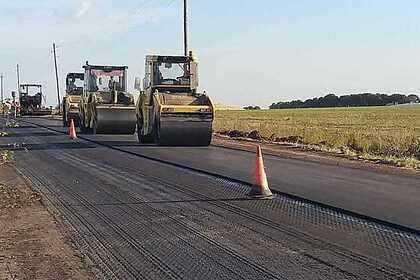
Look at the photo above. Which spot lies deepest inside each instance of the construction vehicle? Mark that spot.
(170, 110)
(105, 106)
(32, 104)
(70, 104)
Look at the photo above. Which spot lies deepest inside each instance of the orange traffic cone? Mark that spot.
(72, 130)
(260, 188)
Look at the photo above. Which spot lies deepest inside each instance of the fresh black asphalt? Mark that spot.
(137, 217)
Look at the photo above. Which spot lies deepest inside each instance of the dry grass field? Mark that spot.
(389, 133)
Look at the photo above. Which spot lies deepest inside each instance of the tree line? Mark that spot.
(352, 100)
(252, 108)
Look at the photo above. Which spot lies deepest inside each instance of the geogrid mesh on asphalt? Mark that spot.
(134, 223)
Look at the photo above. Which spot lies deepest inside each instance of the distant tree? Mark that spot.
(252, 108)
(413, 98)
(353, 100)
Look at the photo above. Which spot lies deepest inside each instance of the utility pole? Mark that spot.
(1, 88)
(18, 90)
(56, 78)
(18, 79)
(185, 27)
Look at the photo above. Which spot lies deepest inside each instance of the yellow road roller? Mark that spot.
(170, 110)
(70, 104)
(106, 107)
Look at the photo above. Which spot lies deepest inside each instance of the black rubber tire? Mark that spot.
(76, 121)
(65, 122)
(94, 127)
(145, 139)
(156, 134)
(205, 142)
(83, 128)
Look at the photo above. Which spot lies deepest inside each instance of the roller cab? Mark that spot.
(106, 107)
(170, 110)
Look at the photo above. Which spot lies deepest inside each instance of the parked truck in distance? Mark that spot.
(31, 103)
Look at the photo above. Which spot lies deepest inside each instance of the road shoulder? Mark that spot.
(293, 152)
(32, 244)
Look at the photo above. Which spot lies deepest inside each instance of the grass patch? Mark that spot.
(389, 134)
(6, 156)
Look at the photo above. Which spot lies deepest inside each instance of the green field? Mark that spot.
(386, 132)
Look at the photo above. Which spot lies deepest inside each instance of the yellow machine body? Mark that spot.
(70, 103)
(105, 106)
(170, 111)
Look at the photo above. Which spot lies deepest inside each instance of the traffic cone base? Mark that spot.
(72, 130)
(260, 189)
(257, 192)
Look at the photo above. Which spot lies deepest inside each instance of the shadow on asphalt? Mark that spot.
(118, 143)
(29, 134)
(23, 126)
(134, 143)
(60, 126)
(46, 146)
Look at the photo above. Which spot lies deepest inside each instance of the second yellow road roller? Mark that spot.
(70, 104)
(106, 107)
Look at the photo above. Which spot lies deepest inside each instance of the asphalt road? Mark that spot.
(140, 218)
(392, 198)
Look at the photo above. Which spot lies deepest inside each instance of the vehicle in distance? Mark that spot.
(31, 103)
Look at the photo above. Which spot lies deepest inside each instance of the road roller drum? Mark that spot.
(114, 120)
(186, 130)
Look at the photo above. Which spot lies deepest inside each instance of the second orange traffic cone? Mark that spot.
(72, 130)
(260, 188)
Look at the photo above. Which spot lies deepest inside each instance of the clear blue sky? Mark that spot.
(251, 52)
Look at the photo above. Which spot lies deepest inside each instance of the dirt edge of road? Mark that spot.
(291, 152)
(33, 245)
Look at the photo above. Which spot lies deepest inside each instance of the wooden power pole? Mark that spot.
(1, 89)
(185, 27)
(18, 79)
(56, 77)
